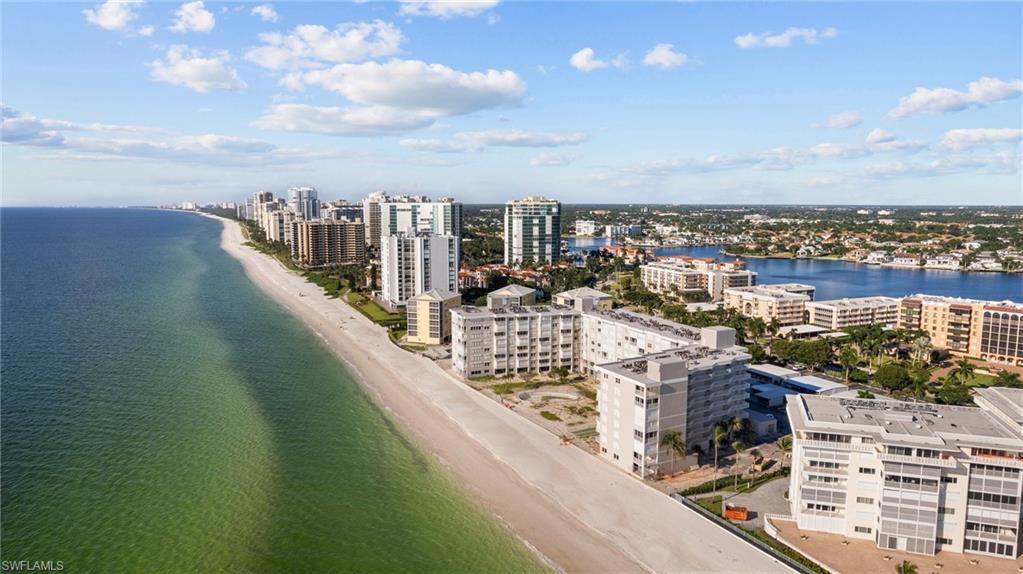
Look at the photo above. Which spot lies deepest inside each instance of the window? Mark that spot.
(949, 479)
(988, 497)
(864, 500)
(864, 529)
(865, 470)
(944, 541)
(946, 510)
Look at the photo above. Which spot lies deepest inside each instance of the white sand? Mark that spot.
(579, 512)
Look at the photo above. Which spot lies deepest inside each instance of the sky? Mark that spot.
(128, 103)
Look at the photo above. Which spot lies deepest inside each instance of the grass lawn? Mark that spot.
(979, 380)
(375, 312)
(550, 416)
(710, 503)
(506, 388)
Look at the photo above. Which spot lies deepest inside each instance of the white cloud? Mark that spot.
(665, 56)
(184, 66)
(25, 129)
(585, 61)
(878, 135)
(265, 12)
(785, 39)
(193, 17)
(146, 31)
(964, 139)
(840, 121)
(980, 94)
(548, 159)
(343, 121)
(413, 84)
(310, 45)
(446, 9)
(114, 15)
(481, 140)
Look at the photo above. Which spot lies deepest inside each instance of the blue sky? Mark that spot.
(141, 103)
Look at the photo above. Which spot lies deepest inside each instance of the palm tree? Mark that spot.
(735, 426)
(673, 441)
(737, 446)
(963, 370)
(848, 359)
(906, 567)
(921, 349)
(718, 436)
(756, 456)
(1007, 379)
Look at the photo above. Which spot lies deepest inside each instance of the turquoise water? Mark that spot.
(160, 414)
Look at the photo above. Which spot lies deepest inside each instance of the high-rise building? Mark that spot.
(303, 201)
(412, 214)
(412, 263)
(990, 330)
(371, 217)
(341, 210)
(321, 243)
(686, 390)
(514, 339)
(532, 231)
(837, 314)
(913, 477)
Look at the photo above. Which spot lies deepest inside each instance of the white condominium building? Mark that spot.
(412, 214)
(610, 336)
(784, 302)
(585, 227)
(532, 230)
(341, 210)
(913, 477)
(679, 279)
(411, 264)
(601, 300)
(303, 201)
(514, 339)
(371, 217)
(838, 314)
(685, 390)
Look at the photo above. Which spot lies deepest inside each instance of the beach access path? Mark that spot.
(577, 511)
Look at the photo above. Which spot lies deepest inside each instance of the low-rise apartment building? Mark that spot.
(514, 339)
(679, 279)
(837, 314)
(603, 301)
(429, 316)
(509, 295)
(685, 390)
(585, 227)
(913, 477)
(989, 330)
(784, 302)
(321, 243)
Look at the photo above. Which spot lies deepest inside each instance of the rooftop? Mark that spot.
(814, 384)
(783, 291)
(513, 310)
(584, 292)
(802, 330)
(694, 356)
(774, 370)
(894, 421)
(435, 295)
(650, 324)
(961, 300)
(512, 291)
(876, 300)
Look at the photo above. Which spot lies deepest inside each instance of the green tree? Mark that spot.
(963, 370)
(737, 446)
(906, 567)
(952, 392)
(865, 395)
(921, 350)
(892, 377)
(848, 358)
(674, 443)
(1007, 379)
(717, 438)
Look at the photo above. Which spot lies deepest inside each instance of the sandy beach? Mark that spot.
(581, 514)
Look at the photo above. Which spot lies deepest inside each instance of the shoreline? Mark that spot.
(578, 513)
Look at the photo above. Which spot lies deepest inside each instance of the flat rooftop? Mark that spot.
(814, 384)
(961, 300)
(650, 324)
(513, 310)
(695, 357)
(771, 292)
(899, 420)
(803, 330)
(875, 300)
(774, 370)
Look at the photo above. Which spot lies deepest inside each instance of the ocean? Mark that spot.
(161, 414)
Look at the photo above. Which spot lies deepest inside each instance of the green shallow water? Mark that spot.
(160, 414)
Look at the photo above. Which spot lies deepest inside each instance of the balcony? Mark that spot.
(948, 462)
(845, 446)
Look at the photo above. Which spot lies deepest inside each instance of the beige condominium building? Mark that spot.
(914, 477)
(603, 301)
(677, 279)
(838, 314)
(322, 243)
(685, 390)
(429, 316)
(987, 330)
(784, 302)
(512, 295)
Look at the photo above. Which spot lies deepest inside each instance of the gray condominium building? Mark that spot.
(914, 477)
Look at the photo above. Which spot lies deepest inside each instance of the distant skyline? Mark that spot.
(122, 103)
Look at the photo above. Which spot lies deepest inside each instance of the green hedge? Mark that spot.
(723, 481)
